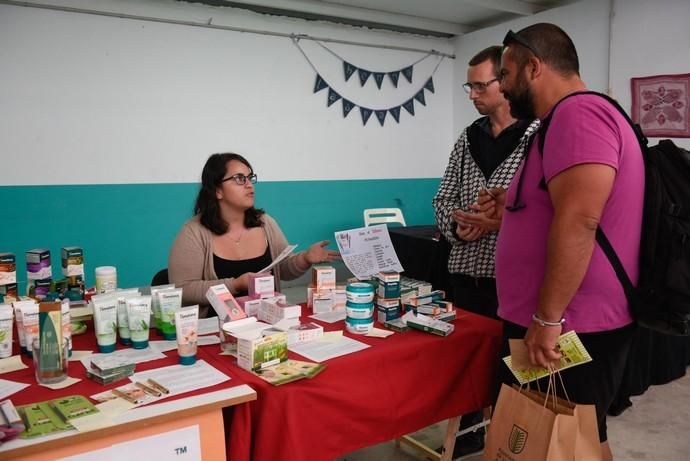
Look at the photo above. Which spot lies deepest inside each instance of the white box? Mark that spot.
(323, 303)
(264, 351)
(224, 303)
(304, 332)
(323, 277)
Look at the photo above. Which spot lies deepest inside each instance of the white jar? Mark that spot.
(106, 279)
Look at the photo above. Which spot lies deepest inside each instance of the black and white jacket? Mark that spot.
(461, 183)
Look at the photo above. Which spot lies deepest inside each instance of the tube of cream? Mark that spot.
(20, 323)
(105, 322)
(155, 307)
(122, 320)
(30, 325)
(169, 302)
(139, 316)
(6, 316)
(187, 326)
(66, 327)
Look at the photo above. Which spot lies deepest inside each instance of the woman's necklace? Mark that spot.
(237, 240)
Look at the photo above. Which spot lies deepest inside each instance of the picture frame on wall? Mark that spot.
(661, 105)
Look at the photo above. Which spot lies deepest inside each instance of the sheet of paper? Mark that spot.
(62, 384)
(320, 351)
(102, 454)
(163, 346)
(8, 387)
(368, 250)
(13, 363)
(207, 340)
(181, 445)
(329, 317)
(574, 353)
(78, 355)
(283, 254)
(183, 378)
(332, 336)
(108, 411)
(208, 326)
(133, 355)
(379, 333)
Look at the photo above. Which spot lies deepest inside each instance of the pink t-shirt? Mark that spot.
(584, 129)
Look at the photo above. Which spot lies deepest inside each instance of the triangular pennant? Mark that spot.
(395, 112)
(429, 85)
(394, 77)
(332, 96)
(409, 106)
(420, 97)
(349, 70)
(407, 73)
(363, 76)
(378, 76)
(366, 113)
(320, 84)
(381, 115)
(347, 107)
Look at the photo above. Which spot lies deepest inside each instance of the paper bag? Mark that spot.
(524, 429)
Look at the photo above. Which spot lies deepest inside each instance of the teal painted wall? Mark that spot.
(131, 226)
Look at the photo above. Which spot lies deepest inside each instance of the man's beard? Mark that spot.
(521, 102)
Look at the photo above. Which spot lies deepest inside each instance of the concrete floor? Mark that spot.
(655, 428)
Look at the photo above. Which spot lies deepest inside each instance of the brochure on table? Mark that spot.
(366, 251)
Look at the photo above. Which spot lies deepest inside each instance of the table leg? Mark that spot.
(448, 443)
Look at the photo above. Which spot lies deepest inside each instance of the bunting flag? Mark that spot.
(429, 85)
(395, 112)
(394, 76)
(409, 106)
(381, 115)
(333, 97)
(420, 97)
(363, 76)
(378, 78)
(349, 70)
(320, 84)
(407, 73)
(366, 113)
(347, 107)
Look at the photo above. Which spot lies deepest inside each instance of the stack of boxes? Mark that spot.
(323, 295)
(431, 305)
(359, 307)
(8, 277)
(388, 296)
(279, 313)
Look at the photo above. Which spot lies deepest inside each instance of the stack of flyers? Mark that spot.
(109, 369)
(288, 371)
(132, 392)
(45, 418)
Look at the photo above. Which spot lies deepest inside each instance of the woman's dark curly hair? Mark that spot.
(206, 202)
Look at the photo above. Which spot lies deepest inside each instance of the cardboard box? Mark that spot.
(384, 315)
(388, 277)
(323, 302)
(388, 290)
(224, 303)
(323, 277)
(304, 332)
(8, 269)
(429, 325)
(72, 261)
(261, 286)
(280, 310)
(253, 354)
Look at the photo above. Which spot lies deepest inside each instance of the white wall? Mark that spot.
(648, 38)
(586, 22)
(88, 99)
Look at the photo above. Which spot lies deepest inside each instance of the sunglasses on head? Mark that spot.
(511, 38)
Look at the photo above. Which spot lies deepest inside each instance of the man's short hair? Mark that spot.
(493, 54)
(550, 44)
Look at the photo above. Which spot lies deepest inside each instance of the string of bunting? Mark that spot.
(349, 69)
(365, 112)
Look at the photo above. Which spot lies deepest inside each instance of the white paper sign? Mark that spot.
(367, 251)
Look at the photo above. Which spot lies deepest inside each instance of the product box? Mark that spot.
(434, 296)
(111, 364)
(8, 269)
(8, 291)
(323, 277)
(250, 306)
(339, 297)
(384, 314)
(224, 303)
(253, 354)
(323, 302)
(388, 277)
(72, 261)
(304, 332)
(429, 325)
(446, 316)
(280, 310)
(261, 286)
(396, 325)
(388, 303)
(388, 290)
(41, 288)
(38, 264)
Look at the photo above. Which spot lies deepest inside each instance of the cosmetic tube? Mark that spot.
(187, 325)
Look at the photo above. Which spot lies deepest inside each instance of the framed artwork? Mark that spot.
(661, 105)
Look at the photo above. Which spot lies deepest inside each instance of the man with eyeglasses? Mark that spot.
(485, 157)
(587, 172)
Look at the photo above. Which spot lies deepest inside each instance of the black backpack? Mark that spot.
(661, 300)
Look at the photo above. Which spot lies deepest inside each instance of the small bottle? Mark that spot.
(106, 279)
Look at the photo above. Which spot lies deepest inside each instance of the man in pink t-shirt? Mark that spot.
(551, 275)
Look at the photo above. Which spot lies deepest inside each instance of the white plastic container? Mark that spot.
(106, 279)
(360, 292)
(359, 326)
(359, 311)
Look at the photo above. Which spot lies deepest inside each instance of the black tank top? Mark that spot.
(229, 268)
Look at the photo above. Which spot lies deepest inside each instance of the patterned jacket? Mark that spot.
(461, 183)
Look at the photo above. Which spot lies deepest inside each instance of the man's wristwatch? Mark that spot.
(545, 323)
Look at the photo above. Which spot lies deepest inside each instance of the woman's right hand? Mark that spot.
(241, 283)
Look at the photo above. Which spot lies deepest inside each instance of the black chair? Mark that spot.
(161, 278)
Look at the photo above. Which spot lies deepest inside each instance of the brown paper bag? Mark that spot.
(523, 428)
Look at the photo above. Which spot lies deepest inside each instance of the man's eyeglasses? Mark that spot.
(241, 179)
(479, 87)
(512, 37)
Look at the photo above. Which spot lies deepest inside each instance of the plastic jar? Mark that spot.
(359, 292)
(359, 311)
(106, 279)
(359, 326)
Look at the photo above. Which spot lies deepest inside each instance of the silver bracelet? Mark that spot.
(544, 323)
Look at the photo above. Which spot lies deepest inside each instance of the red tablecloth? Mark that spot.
(399, 385)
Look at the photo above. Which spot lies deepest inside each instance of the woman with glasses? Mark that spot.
(228, 238)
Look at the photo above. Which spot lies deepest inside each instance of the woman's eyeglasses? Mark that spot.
(241, 179)
(479, 87)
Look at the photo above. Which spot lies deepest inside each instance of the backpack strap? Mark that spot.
(610, 253)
